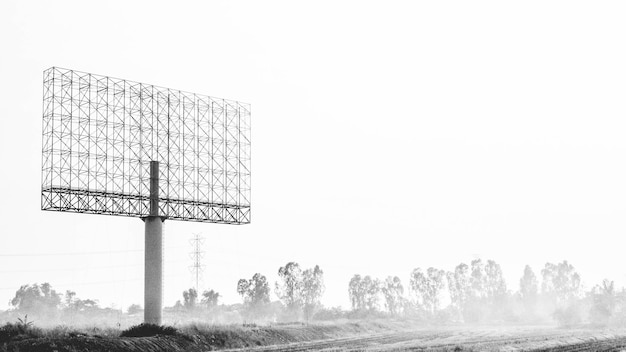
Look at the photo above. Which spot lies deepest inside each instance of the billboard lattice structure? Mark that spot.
(101, 133)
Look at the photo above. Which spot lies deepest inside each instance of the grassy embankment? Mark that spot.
(193, 337)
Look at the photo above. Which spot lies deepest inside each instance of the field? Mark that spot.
(367, 336)
(504, 339)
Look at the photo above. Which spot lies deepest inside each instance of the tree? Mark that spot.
(604, 300)
(495, 286)
(69, 297)
(547, 279)
(528, 288)
(312, 290)
(561, 284)
(487, 292)
(289, 290)
(75, 304)
(82, 305)
(459, 286)
(210, 298)
(371, 287)
(392, 291)
(255, 293)
(36, 298)
(364, 292)
(135, 308)
(190, 298)
(478, 279)
(356, 292)
(427, 287)
(560, 281)
(418, 285)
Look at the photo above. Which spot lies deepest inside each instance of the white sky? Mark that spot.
(386, 136)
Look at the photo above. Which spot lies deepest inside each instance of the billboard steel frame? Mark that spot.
(101, 133)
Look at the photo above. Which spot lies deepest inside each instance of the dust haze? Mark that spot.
(473, 293)
(381, 144)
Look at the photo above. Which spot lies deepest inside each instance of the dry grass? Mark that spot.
(194, 335)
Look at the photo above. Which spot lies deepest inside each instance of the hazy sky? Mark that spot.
(385, 136)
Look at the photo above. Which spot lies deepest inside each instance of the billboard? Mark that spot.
(101, 133)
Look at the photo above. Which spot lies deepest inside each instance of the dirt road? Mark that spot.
(455, 339)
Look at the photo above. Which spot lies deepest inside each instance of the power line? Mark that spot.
(81, 268)
(66, 253)
(72, 253)
(83, 283)
(92, 282)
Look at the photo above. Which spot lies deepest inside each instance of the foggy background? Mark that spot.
(385, 137)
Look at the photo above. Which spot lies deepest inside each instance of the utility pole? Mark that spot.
(197, 254)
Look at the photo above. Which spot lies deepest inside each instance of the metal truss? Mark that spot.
(100, 134)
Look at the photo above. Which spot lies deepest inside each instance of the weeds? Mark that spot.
(24, 322)
(22, 329)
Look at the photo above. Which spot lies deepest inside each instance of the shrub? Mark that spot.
(327, 314)
(18, 331)
(134, 309)
(568, 316)
(146, 330)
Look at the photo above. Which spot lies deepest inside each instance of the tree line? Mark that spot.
(474, 293)
(299, 292)
(478, 293)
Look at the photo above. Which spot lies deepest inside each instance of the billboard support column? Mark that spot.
(153, 284)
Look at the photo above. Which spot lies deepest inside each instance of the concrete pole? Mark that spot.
(153, 284)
